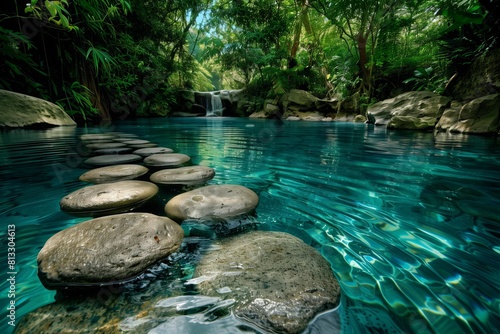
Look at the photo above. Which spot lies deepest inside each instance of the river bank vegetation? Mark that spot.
(106, 59)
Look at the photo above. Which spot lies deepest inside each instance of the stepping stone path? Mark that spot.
(183, 175)
(108, 198)
(166, 160)
(114, 159)
(212, 201)
(113, 173)
(270, 279)
(107, 249)
(277, 280)
(146, 152)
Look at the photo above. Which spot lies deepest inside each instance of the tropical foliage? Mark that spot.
(103, 59)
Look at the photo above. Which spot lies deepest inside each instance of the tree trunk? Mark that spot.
(364, 73)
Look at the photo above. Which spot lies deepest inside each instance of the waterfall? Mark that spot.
(211, 102)
(214, 106)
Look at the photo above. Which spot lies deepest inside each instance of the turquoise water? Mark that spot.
(410, 222)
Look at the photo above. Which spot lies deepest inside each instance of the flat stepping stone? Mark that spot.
(277, 282)
(136, 142)
(131, 136)
(113, 173)
(166, 160)
(121, 140)
(212, 201)
(116, 159)
(145, 152)
(118, 150)
(107, 250)
(99, 146)
(96, 137)
(108, 198)
(183, 175)
(148, 145)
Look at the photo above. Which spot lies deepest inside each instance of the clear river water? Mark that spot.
(409, 221)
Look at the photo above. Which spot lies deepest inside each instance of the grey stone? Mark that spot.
(136, 142)
(411, 123)
(90, 137)
(19, 110)
(107, 249)
(115, 159)
(118, 150)
(450, 116)
(108, 198)
(166, 159)
(426, 106)
(99, 146)
(145, 152)
(183, 175)
(299, 100)
(113, 173)
(212, 201)
(139, 146)
(479, 116)
(277, 281)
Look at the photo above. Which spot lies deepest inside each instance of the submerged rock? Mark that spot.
(115, 159)
(19, 110)
(107, 249)
(108, 198)
(166, 159)
(276, 280)
(212, 201)
(183, 175)
(113, 173)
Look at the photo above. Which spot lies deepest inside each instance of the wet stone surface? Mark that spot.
(166, 160)
(276, 280)
(183, 175)
(115, 159)
(113, 173)
(108, 198)
(107, 249)
(212, 201)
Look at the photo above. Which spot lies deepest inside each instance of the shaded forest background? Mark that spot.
(101, 59)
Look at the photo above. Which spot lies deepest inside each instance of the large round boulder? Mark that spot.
(107, 249)
(277, 281)
(183, 175)
(113, 173)
(108, 198)
(212, 201)
(166, 160)
(19, 110)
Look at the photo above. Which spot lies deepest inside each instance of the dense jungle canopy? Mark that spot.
(114, 58)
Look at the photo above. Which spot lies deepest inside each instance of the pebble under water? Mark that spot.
(409, 221)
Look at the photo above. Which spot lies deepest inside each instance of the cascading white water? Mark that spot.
(214, 108)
